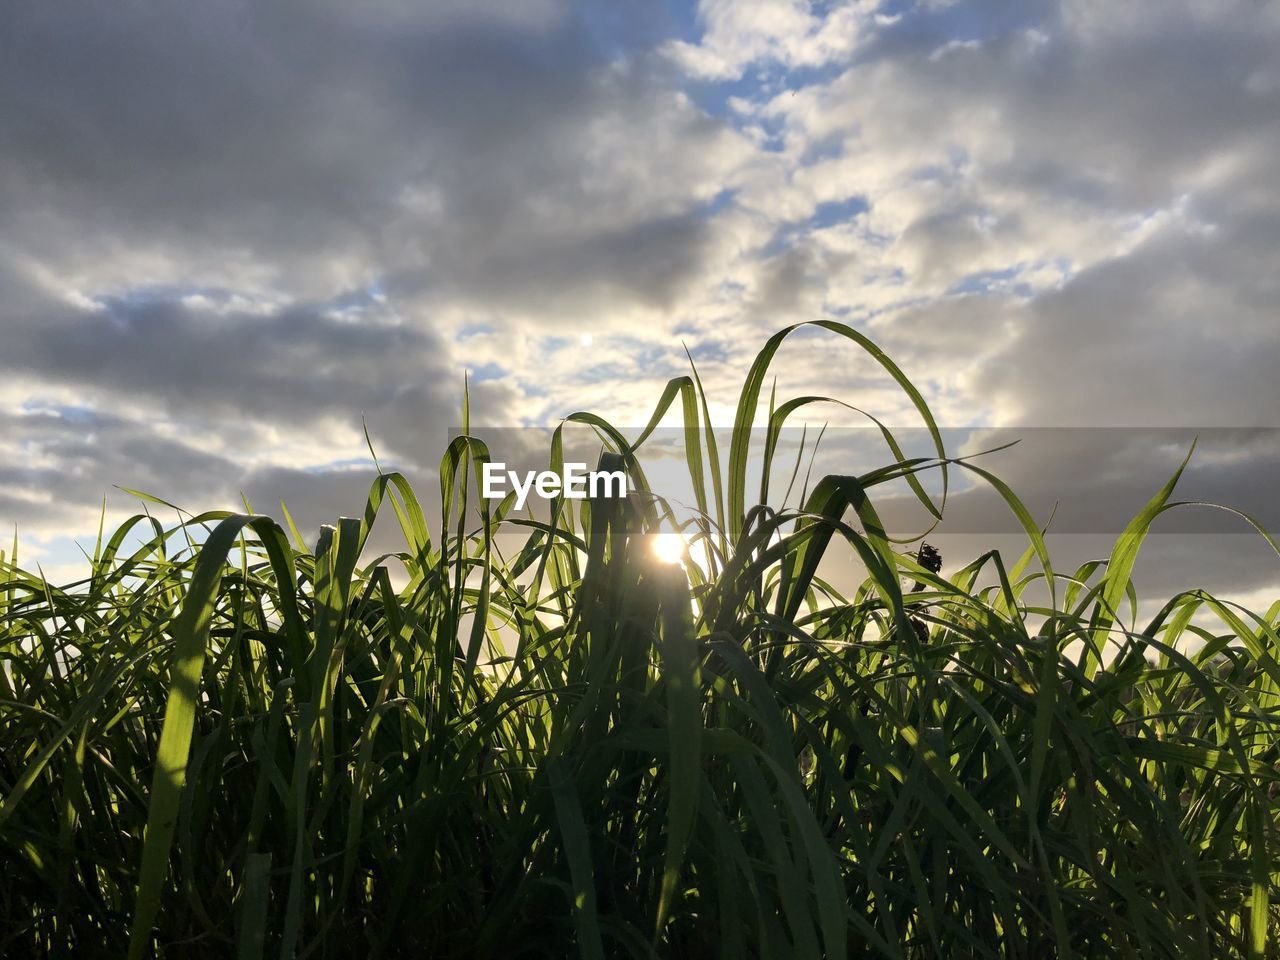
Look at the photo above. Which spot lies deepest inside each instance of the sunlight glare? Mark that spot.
(670, 547)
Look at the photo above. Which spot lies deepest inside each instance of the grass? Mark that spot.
(225, 744)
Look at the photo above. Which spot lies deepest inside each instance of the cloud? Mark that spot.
(245, 231)
(787, 32)
(314, 150)
(233, 235)
(60, 461)
(1064, 218)
(1178, 332)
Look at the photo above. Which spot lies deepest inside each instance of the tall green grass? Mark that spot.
(225, 744)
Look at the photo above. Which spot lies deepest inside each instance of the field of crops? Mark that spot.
(226, 743)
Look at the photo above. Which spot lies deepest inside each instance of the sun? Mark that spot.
(670, 547)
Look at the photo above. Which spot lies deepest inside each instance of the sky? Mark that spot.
(234, 235)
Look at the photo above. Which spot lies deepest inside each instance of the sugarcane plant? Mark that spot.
(228, 741)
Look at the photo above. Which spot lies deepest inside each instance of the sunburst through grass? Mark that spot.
(225, 743)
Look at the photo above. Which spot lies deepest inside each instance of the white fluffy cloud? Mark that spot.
(789, 33)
